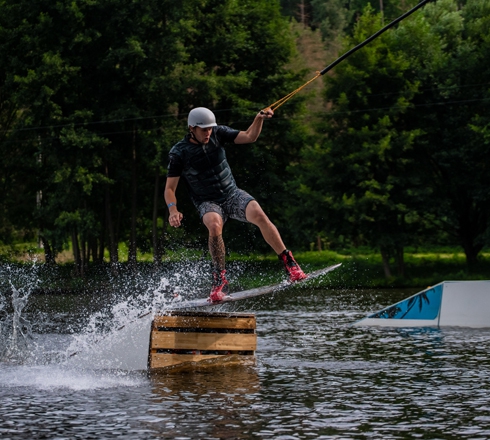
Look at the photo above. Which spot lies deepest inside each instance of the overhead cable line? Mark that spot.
(330, 113)
(172, 115)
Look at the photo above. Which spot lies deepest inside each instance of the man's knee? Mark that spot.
(214, 223)
(259, 218)
(262, 219)
(215, 230)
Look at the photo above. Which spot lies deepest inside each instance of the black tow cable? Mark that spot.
(281, 101)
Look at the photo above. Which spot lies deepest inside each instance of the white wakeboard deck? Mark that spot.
(258, 291)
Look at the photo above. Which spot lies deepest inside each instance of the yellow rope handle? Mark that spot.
(281, 101)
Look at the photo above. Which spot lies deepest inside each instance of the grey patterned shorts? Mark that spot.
(233, 207)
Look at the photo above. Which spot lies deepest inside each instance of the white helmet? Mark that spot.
(201, 117)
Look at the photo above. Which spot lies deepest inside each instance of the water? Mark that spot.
(314, 377)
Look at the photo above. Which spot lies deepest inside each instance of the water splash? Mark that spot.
(113, 336)
(16, 329)
(117, 337)
(56, 377)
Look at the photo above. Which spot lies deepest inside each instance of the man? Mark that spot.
(201, 160)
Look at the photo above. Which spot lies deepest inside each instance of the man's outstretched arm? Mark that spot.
(253, 132)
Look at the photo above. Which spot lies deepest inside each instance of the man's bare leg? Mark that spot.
(217, 250)
(214, 223)
(216, 245)
(257, 216)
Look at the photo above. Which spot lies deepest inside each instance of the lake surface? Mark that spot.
(314, 377)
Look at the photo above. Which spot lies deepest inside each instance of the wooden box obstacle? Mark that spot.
(182, 337)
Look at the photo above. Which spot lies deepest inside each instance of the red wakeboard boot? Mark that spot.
(292, 268)
(220, 288)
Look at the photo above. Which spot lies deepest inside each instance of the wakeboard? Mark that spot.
(258, 291)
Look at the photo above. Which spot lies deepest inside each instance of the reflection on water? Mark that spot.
(214, 403)
(315, 377)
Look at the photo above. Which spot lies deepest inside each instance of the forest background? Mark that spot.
(387, 153)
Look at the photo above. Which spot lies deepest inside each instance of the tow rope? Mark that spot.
(281, 101)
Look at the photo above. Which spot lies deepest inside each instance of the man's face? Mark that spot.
(202, 134)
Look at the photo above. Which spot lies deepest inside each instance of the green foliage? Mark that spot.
(402, 158)
(337, 18)
(94, 94)
(453, 72)
(354, 178)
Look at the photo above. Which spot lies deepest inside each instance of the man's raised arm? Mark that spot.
(253, 132)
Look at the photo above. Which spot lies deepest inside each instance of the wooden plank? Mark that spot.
(206, 314)
(204, 341)
(208, 322)
(162, 360)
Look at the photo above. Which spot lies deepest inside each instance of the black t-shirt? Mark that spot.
(204, 167)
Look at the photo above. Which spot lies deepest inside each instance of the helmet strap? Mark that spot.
(192, 136)
(191, 133)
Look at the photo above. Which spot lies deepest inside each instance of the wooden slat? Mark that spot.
(208, 322)
(204, 341)
(162, 360)
(206, 314)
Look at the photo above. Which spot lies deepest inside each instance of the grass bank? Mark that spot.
(360, 269)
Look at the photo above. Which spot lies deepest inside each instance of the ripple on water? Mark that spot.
(315, 377)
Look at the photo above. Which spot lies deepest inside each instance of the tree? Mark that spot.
(241, 54)
(451, 107)
(359, 174)
(405, 145)
(336, 18)
(105, 87)
(90, 77)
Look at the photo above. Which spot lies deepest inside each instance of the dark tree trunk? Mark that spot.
(76, 251)
(386, 262)
(83, 255)
(101, 240)
(157, 248)
(471, 251)
(132, 239)
(113, 252)
(49, 255)
(400, 261)
(472, 225)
